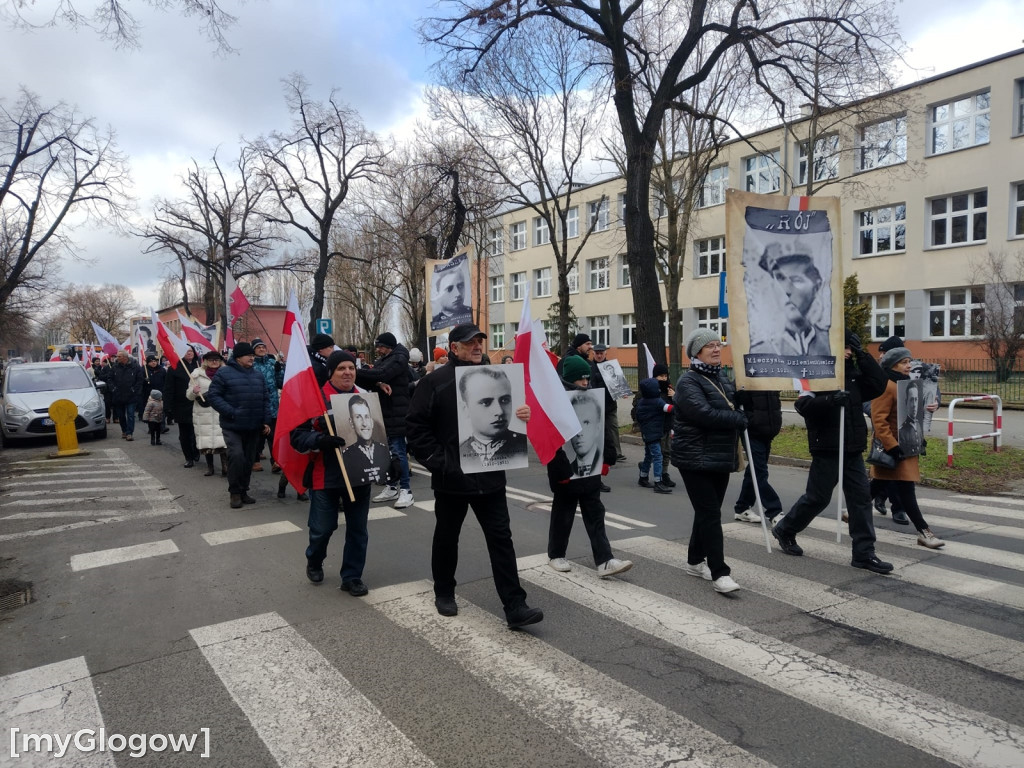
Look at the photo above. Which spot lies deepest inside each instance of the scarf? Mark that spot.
(705, 368)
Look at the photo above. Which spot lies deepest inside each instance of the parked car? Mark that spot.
(28, 390)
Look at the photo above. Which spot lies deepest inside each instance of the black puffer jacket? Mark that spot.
(706, 427)
(155, 378)
(764, 413)
(432, 428)
(240, 396)
(651, 416)
(176, 380)
(393, 370)
(125, 383)
(864, 381)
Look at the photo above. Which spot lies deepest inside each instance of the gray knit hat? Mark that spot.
(893, 356)
(697, 339)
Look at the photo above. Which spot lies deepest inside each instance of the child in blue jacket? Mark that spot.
(650, 418)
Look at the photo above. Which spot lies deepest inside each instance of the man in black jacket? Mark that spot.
(764, 422)
(865, 381)
(434, 440)
(125, 383)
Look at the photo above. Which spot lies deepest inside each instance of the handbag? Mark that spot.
(740, 465)
(877, 456)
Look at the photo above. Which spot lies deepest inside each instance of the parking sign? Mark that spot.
(324, 325)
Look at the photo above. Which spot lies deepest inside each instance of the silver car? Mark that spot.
(28, 391)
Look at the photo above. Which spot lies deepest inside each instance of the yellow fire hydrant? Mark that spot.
(64, 413)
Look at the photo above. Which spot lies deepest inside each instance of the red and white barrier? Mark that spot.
(997, 425)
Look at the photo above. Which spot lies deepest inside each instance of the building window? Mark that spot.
(598, 211)
(600, 330)
(882, 230)
(541, 231)
(959, 124)
(624, 272)
(628, 330)
(881, 144)
(622, 209)
(956, 312)
(826, 159)
(572, 222)
(597, 274)
(668, 326)
(1018, 107)
(517, 234)
(542, 281)
(497, 338)
(888, 317)
(497, 289)
(496, 242)
(1017, 217)
(958, 219)
(572, 277)
(712, 191)
(710, 256)
(761, 173)
(518, 292)
(707, 317)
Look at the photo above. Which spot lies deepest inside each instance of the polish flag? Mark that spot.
(552, 418)
(301, 400)
(108, 342)
(140, 348)
(127, 346)
(55, 357)
(650, 360)
(86, 355)
(173, 346)
(292, 315)
(193, 334)
(237, 305)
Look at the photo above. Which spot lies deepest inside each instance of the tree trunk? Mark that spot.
(640, 255)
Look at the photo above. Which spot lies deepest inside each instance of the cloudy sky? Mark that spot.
(174, 99)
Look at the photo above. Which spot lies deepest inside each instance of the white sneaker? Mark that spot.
(559, 564)
(700, 570)
(388, 494)
(405, 499)
(612, 567)
(725, 584)
(748, 516)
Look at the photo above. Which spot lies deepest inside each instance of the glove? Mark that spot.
(841, 398)
(924, 447)
(853, 342)
(327, 442)
(896, 453)
(604, 470)
(744, 422)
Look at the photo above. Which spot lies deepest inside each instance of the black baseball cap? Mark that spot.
(464, 333)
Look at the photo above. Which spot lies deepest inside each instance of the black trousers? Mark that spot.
(491, 512)
(707, 493)
(242, 449)
(563, 513)
(187, 440)
(906, 492)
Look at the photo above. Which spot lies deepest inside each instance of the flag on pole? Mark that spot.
(552, 418)
(173, 346)
(126, 346)
(140, 348)
(301, 400)
(55, 357)
(292, 314)
(193, 334)
(237, 305)
(108, 342)
(650, 360)
(86, 355)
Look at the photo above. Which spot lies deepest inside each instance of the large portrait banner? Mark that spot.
(585, 449)
(148, 341)
(785, 291)
(910, 412)
(615, 379)
(449, 295)
(490, 435)
(358, 419)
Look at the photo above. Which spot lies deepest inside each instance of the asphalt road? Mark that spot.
(215, 626)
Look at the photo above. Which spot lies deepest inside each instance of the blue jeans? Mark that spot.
(398, 450)
(125, 415)
(323, 521)
(652, 456)
(759, 452)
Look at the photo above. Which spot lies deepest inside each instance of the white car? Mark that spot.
(28, 390)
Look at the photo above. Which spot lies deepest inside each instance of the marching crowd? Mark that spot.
(228, 408)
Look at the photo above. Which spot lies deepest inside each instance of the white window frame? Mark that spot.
(970, 214)
(598, 211)
(517, 236)
(877, 224)
(496, 340)
(882, 143)
(707, 317)
(496, 242)
(598, 274)
(826, 158)
(666, 324)
(572, 277)
(498, 289)
(624, 281)
(969, 310)
(1018, 107)
(960, 123)
(550, 330)
(622, 209)
(572, 222)
(762, 173)
(600, 329)
(892, 307)
(705, 252)
(628, 322)
(541, 231)
(1017, 210)
(712, 189)
(517, 286)
(542, 281)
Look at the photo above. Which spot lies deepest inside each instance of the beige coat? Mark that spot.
(883, 418)
(205, 420)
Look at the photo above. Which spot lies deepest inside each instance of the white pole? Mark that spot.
(839, 495)
(757, 490)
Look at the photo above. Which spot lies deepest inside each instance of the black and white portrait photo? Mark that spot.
(148, 340)
(910, 416)
(585, 449)
(928, 374)
(358, 419)
(490, 435)
(614, 379)
(449, 292)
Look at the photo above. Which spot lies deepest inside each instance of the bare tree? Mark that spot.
(999, 277)
(109, 306)
(57, 171)
(312, 168)
(362, 291)
(771, 37)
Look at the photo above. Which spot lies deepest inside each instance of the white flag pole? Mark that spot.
(757, 490)
(839, 495)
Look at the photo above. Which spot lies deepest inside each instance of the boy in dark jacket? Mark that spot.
(582, 491)
(651, 412)
(764, 422)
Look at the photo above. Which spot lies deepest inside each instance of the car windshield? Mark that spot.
(20, 380)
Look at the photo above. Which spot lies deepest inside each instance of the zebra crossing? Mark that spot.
(810, 664)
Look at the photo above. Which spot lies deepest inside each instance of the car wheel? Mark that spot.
(4, 442)
(100, 434)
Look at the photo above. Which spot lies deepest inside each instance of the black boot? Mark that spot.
(209, 466)
(667, 481)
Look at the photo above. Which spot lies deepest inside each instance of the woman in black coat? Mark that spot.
(178, 406)
(706, 431)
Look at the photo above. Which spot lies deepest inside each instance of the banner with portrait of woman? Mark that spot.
(449, 294)
(785, 286)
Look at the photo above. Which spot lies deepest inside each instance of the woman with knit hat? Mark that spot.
(906, 474)
(706, 430)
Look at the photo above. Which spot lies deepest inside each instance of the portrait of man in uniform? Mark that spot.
(798, 284)
(358, 420)
(449, 293)
(585, 449)
(486, 415)
(910, 415)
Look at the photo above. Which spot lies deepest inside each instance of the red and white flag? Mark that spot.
(127, 346)
(108, 342)
(55, 357)
(650, 361)
(237, 305)
(301, 400)
(140, 348)
(552, 418)
(173, 346)
(193, 334)
(292, 315)
(86, 355)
